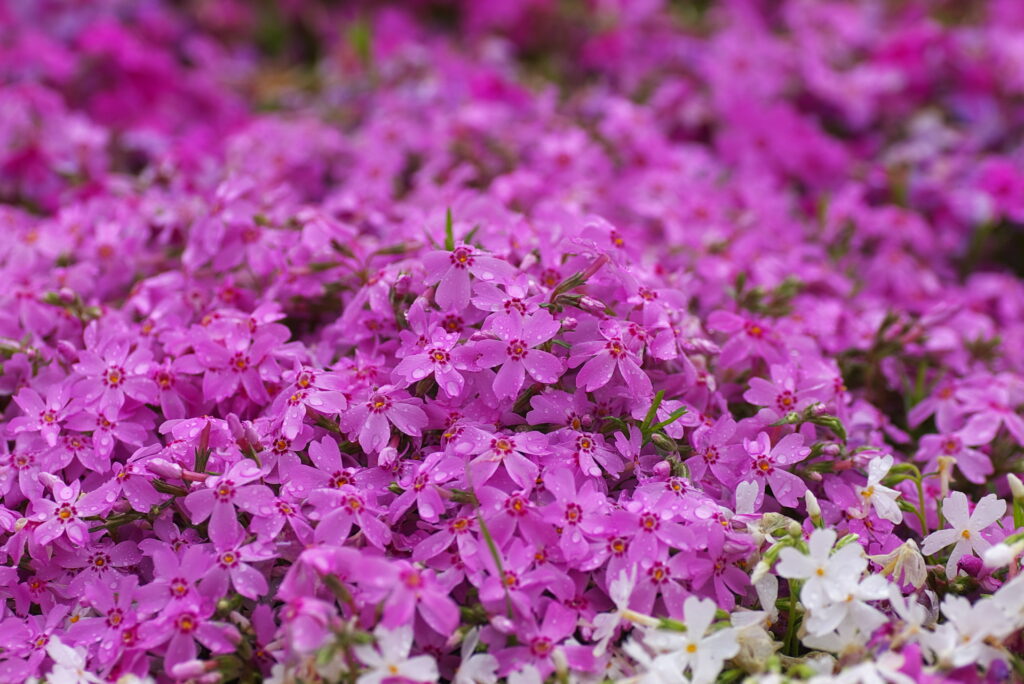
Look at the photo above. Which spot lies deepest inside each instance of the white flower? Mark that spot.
(756, 644)
(391, 658)
(852, 607)
(527, 675)
(966, 528)
(904, 564)
(662, 669)
(826, 575)
(884, 670)
(963, 638)
(702, 653)
(878, 495)
(912, 613)
(68, 664)
(476, 668)
(847, 638)
(606, 623)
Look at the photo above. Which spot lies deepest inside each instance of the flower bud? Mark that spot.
(813, 509)
(971, 565)
(946, 464)
(662, 469)
(164, 468)
(1016, 486)
(191, 669)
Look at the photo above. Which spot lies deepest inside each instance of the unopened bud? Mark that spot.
(403, 283)
(813, 509)
(594, 306)
(164, 468)
(1016, 486)
(67, 351)
(662, 469)
(972, 565)
(191, 669)
(946, 464)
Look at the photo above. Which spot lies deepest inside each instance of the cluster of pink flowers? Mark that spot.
(512, 341)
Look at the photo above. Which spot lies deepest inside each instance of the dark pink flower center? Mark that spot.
(462, 257)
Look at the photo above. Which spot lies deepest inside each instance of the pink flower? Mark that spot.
(602, 358)
(451, 270)
(42, 416)
(439, 358)
(115, 374)
(371, 420)
(222, 493)
(514, 351)
(748, 337)
(418, 591)
(767, 466)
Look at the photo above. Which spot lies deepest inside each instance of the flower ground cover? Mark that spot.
(582, 341)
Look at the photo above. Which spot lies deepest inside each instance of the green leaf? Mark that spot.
(449, 231)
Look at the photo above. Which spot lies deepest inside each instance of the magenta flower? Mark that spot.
(44, 417)
(767, 466)
(222, 493)
(451, 271)
(439, 358)
(337, 510)
(514, 351)
(117, 620)
(782, 395)
(992, 407)
(715, 451)
(603, 358)
(422, 484)
(238, 360)
(577, 512)
(651, 531)
(63, 515)
(418, 591)
(495, 450)
(748, 337)
(231, 565)
(370, 420)
(115, 374)
(507, 513)
(175, 577)
(186, 624)
(318, 390)
(974, 464)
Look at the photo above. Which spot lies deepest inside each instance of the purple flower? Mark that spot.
(222, 493)
(114, 374)
(451, 270)
(231, 562)
(514, 351)
(418, 591)
(767, 466)
(439, 358)
(42, 416)
(185, 624)
(370, 420)
(317, 390)
(339, 509)
(975, 465)
(577, 513)
(422, 487)
(748, 337)
(602, 358)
